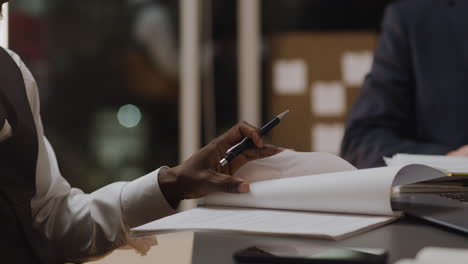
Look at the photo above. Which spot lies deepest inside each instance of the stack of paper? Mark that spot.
(261, 221)
(294, 193)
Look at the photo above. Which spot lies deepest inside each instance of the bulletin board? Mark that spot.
(317, 76)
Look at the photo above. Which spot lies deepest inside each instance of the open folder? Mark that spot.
(300, 193)
(452, 164)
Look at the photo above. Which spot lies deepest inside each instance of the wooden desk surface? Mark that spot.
(174, 248)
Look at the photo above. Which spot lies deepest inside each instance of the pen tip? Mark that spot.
(283, 115)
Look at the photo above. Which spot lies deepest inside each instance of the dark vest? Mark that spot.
(19, 241)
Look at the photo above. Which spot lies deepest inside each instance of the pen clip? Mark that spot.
(236, 145)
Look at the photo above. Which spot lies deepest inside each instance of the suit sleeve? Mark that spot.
(381, 122)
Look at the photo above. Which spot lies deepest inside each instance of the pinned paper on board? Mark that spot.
(328, 98)
(355, 66)
(327, 137)
(290, 77)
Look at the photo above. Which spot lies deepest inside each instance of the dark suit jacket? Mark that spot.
(415, 98)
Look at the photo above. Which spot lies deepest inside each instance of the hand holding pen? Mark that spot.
(203, 174)
(248, 143)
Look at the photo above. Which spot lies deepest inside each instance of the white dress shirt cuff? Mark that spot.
(143, 201)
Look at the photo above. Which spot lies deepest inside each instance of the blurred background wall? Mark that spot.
(109, 75)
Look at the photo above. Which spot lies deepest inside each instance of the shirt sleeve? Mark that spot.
(381, 122)
(82, 225)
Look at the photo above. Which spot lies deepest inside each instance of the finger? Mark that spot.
(281, 149)
(453, 153)
(274, 149)
(225, 183)
(259, 153)
(457, 153)
(247, 130)
(242, 130)
(464, 150)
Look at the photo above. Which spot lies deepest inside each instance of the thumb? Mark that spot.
(226, 183)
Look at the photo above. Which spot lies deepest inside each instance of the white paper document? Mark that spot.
(295, 193)
(292, 164)
(355, 192)
(330, 226)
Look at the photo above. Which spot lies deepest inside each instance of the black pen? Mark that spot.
(247, 142)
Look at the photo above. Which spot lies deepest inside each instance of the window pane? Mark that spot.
(108, 77)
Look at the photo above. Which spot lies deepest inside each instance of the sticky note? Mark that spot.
(355, 65)
(328, 98)
(290, 77)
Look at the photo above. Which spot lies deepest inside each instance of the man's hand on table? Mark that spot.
(460, 152)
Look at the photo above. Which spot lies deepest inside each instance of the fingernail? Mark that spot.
(244, 188)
